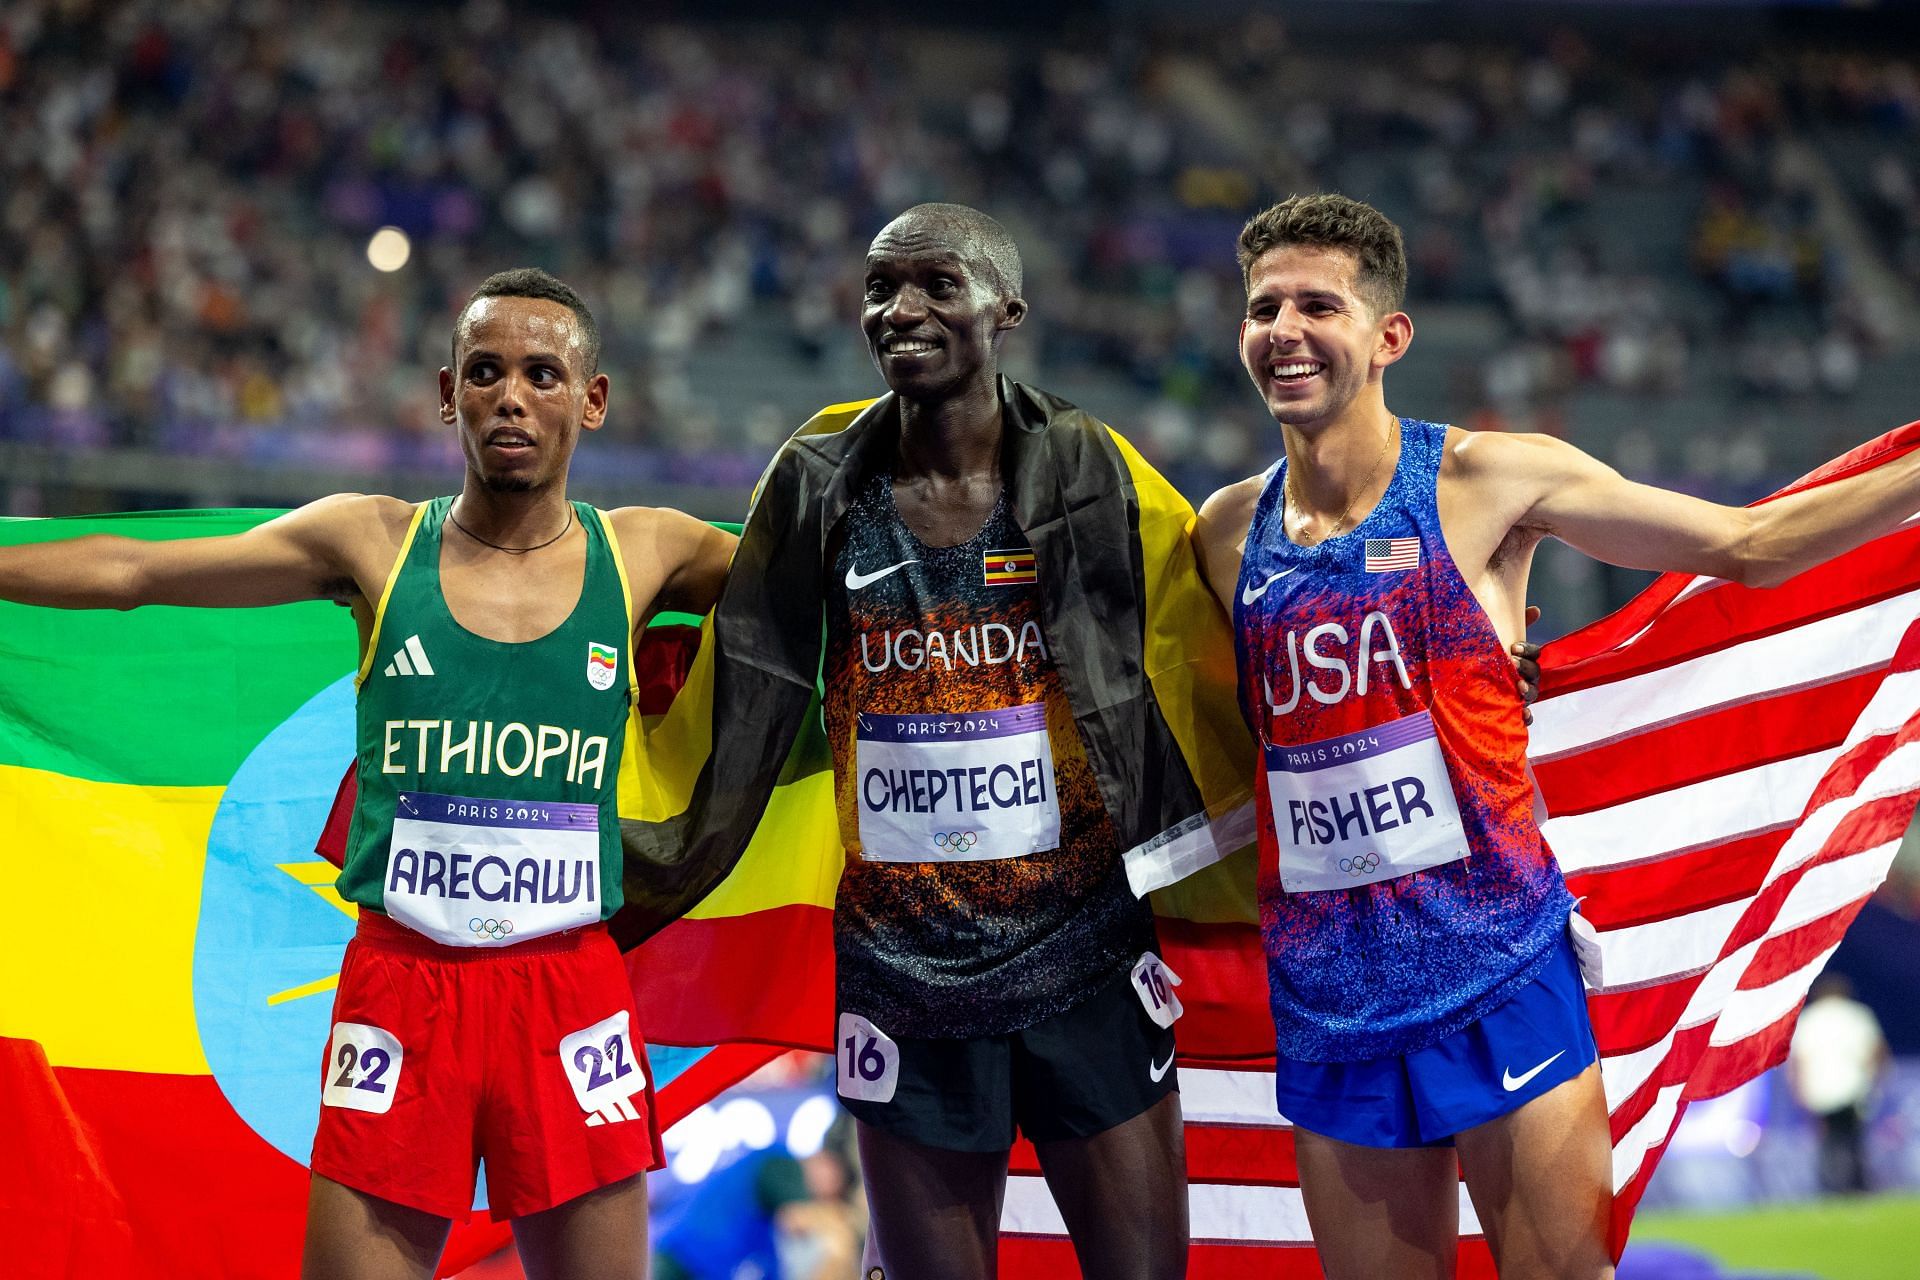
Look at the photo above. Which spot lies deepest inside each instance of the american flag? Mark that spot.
(1387, 554)
(1730, 772)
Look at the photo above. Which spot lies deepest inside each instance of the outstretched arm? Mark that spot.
(1564, 492)
(306, 554)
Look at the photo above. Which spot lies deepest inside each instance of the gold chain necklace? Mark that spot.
(1287, 490)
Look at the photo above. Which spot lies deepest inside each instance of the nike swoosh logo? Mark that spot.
(1158, 1070)
(1511, 1082)
(1248, 595)
(857, 579)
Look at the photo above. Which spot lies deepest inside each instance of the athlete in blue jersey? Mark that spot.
(1428, 1006)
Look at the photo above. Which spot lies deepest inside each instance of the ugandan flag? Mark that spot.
(168, 971)
(1008, 568)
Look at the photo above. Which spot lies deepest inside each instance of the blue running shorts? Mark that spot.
(1540, 1038)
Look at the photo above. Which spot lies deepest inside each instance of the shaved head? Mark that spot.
(979, 238)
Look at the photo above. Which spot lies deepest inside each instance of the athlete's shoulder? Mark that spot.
(344, 518)
(650, 526)
(1506, 455)
(1227, 512)
(671, 539)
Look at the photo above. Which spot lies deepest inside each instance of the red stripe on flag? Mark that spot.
(204, 1194)
(1723, 614)
(1709, 745)
(771, 971)
(1238, 1156)
(721, 1068)
(1053, 1257)
(1223, 974)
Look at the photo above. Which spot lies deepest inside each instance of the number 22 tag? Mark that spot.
(869, 1069)
(363, 1068)
(601, 1064)
(1153, 982)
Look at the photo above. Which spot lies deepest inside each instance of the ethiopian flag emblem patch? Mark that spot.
(1008, 568)
(603, 663)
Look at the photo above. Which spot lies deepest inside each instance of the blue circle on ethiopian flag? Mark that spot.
(272, 931)
(266, 955)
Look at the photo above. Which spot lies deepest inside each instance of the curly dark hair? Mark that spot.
(1334, 222)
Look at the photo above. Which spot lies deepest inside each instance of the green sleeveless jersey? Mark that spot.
(488, 770)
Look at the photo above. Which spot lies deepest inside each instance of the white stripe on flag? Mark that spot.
(1808, 654)
(1241, 1099)
(1650, 1131)
(1748, 802)
(1218, 1212)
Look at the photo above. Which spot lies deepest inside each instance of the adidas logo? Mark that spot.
(613, 1113)
(411, 660)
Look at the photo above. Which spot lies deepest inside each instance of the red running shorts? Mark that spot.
(525, 1056)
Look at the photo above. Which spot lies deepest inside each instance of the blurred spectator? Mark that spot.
(187, 194)
(767, 1216)
(1836, 1057)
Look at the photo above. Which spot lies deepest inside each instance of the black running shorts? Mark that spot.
(1077, 1074)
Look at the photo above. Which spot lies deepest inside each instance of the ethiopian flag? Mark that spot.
(173, 944)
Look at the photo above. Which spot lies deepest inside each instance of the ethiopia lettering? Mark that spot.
(480, 748)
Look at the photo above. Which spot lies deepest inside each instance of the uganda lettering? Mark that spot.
(985, 644)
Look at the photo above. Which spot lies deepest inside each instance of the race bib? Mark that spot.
(1588, 951)
(1363, 807)
(363, 1068)
(956, 788)
(601, 1064)
(485, 873)
(869, 1069)
(1153, 982)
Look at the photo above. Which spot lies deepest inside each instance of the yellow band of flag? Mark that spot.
(98, 965)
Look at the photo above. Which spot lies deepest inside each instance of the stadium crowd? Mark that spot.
(186, 205)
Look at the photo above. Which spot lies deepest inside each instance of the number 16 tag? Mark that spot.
(1153, 982)
(869, 1061)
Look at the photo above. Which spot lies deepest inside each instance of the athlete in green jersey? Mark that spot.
(474, 596)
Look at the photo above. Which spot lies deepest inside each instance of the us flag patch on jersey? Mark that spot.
(1008, 568)
(1384, 555)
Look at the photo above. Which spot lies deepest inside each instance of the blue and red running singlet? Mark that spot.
(1405, 889)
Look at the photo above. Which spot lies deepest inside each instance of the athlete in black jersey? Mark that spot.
(1001, 977)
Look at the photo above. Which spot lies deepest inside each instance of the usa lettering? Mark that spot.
(1337, 667)
(983, 645)
(1365, 812)
(479, 748)
(462, 877)
(978, 789)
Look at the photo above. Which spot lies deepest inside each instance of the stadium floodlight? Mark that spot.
(389, 249)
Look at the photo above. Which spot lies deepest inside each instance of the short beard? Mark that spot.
(507, 484)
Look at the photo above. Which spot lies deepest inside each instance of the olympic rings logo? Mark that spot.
(955, 841)
(1361, 865)
(494, 929)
